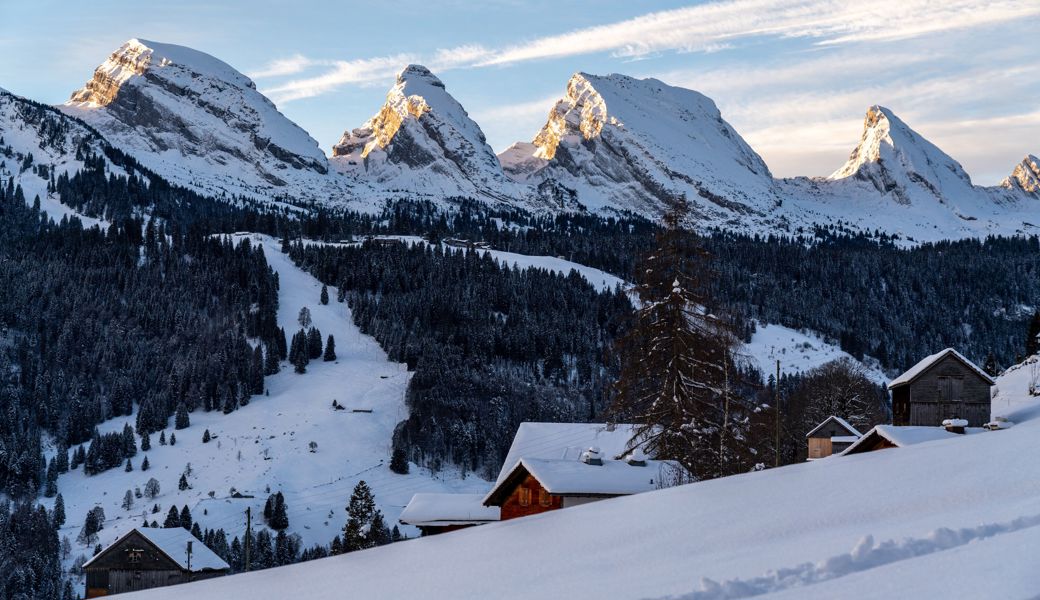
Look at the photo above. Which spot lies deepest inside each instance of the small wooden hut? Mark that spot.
(832, 436)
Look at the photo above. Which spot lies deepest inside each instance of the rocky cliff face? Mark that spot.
(630, 144)
(423, 141)
(199, 121)
(1025, 177)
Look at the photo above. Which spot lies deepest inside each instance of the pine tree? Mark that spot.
(360, 511)
(330, 349)
(270, 360)
(181, 421)
(146, 442)
(183, 483)
(144, 464)
(990, 365)
(129, 466)
(314, 343)
(128, 500)
(1033, 335)
(162, 438)
(324, 294)
(173, 439)
(304, 318)
(279, 513)
(399, 460)
(205, 437)
(129, 443)
(185, 518)
(58, 515)
(675, 358)
(173, 519)
(51, 486)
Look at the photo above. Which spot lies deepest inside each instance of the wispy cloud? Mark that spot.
(711, 27)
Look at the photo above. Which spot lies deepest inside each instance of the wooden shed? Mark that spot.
(150, 557)
(441, 513)
(945, 385)
(832, 436)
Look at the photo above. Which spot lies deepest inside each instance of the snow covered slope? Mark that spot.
(798, 352)
(38, 141)
(897, 181)
(200, 123)
(951, 519)
(423, 142)
(266, 443)
(633, 144)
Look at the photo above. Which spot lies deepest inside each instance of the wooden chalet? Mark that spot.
(150, 557)
(832, 436)
(441, 513)
(945, 385)
(537, 485)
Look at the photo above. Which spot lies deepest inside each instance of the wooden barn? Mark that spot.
(441, 513)
(150, 557)
(832, 436)
(537, 485)
(945, 385)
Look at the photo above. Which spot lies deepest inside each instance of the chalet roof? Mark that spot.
(928, 361)
(902, 436)
(448, 509)
(571, 477)
(842, 422)
(173, 542)
(565, 441)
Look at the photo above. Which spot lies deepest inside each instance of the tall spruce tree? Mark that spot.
(330, 349)
(675, 357)
(360, 512)
(1033, 335)
(181, 421)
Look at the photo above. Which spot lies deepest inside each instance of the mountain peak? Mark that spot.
(415, 72)
(1025, 176)
(422, 140)
(635, 144)
(193, 116)
(896, 159)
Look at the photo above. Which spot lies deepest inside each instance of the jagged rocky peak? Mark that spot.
(1025, 177)
(194, 118)
(423, 140)
(632, 144)
(897, 160)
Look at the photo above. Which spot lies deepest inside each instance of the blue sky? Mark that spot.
(793, 76)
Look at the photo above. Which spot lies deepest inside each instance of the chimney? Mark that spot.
(955, 425)
(592, 457)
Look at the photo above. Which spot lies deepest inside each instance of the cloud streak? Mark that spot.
(710, 27)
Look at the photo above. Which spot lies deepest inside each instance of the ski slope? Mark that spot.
(265, 445)
(952, 519)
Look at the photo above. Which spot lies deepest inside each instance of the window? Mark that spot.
(950, 389)
(544, 499)
(525, 496)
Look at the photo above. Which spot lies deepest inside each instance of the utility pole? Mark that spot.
(249, 532)
(189, 561)
(776, 400)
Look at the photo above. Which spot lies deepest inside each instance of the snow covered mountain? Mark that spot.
(899, 182)
(200, 123)
(632, 144)
(38, 142)
(1025, 177)
(422, 141)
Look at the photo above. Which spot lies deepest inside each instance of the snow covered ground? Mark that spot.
(948, 519)
(265, 444)
(798, 352)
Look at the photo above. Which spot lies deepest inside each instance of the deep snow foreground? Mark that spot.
(265, 445)
(950, 519)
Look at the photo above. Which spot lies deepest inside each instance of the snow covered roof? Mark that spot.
(565, 441)
(173, 542)
(569, 477)
(448, 509)
(928, 361)
(902, 436)
(844, 439)
(842, 422)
